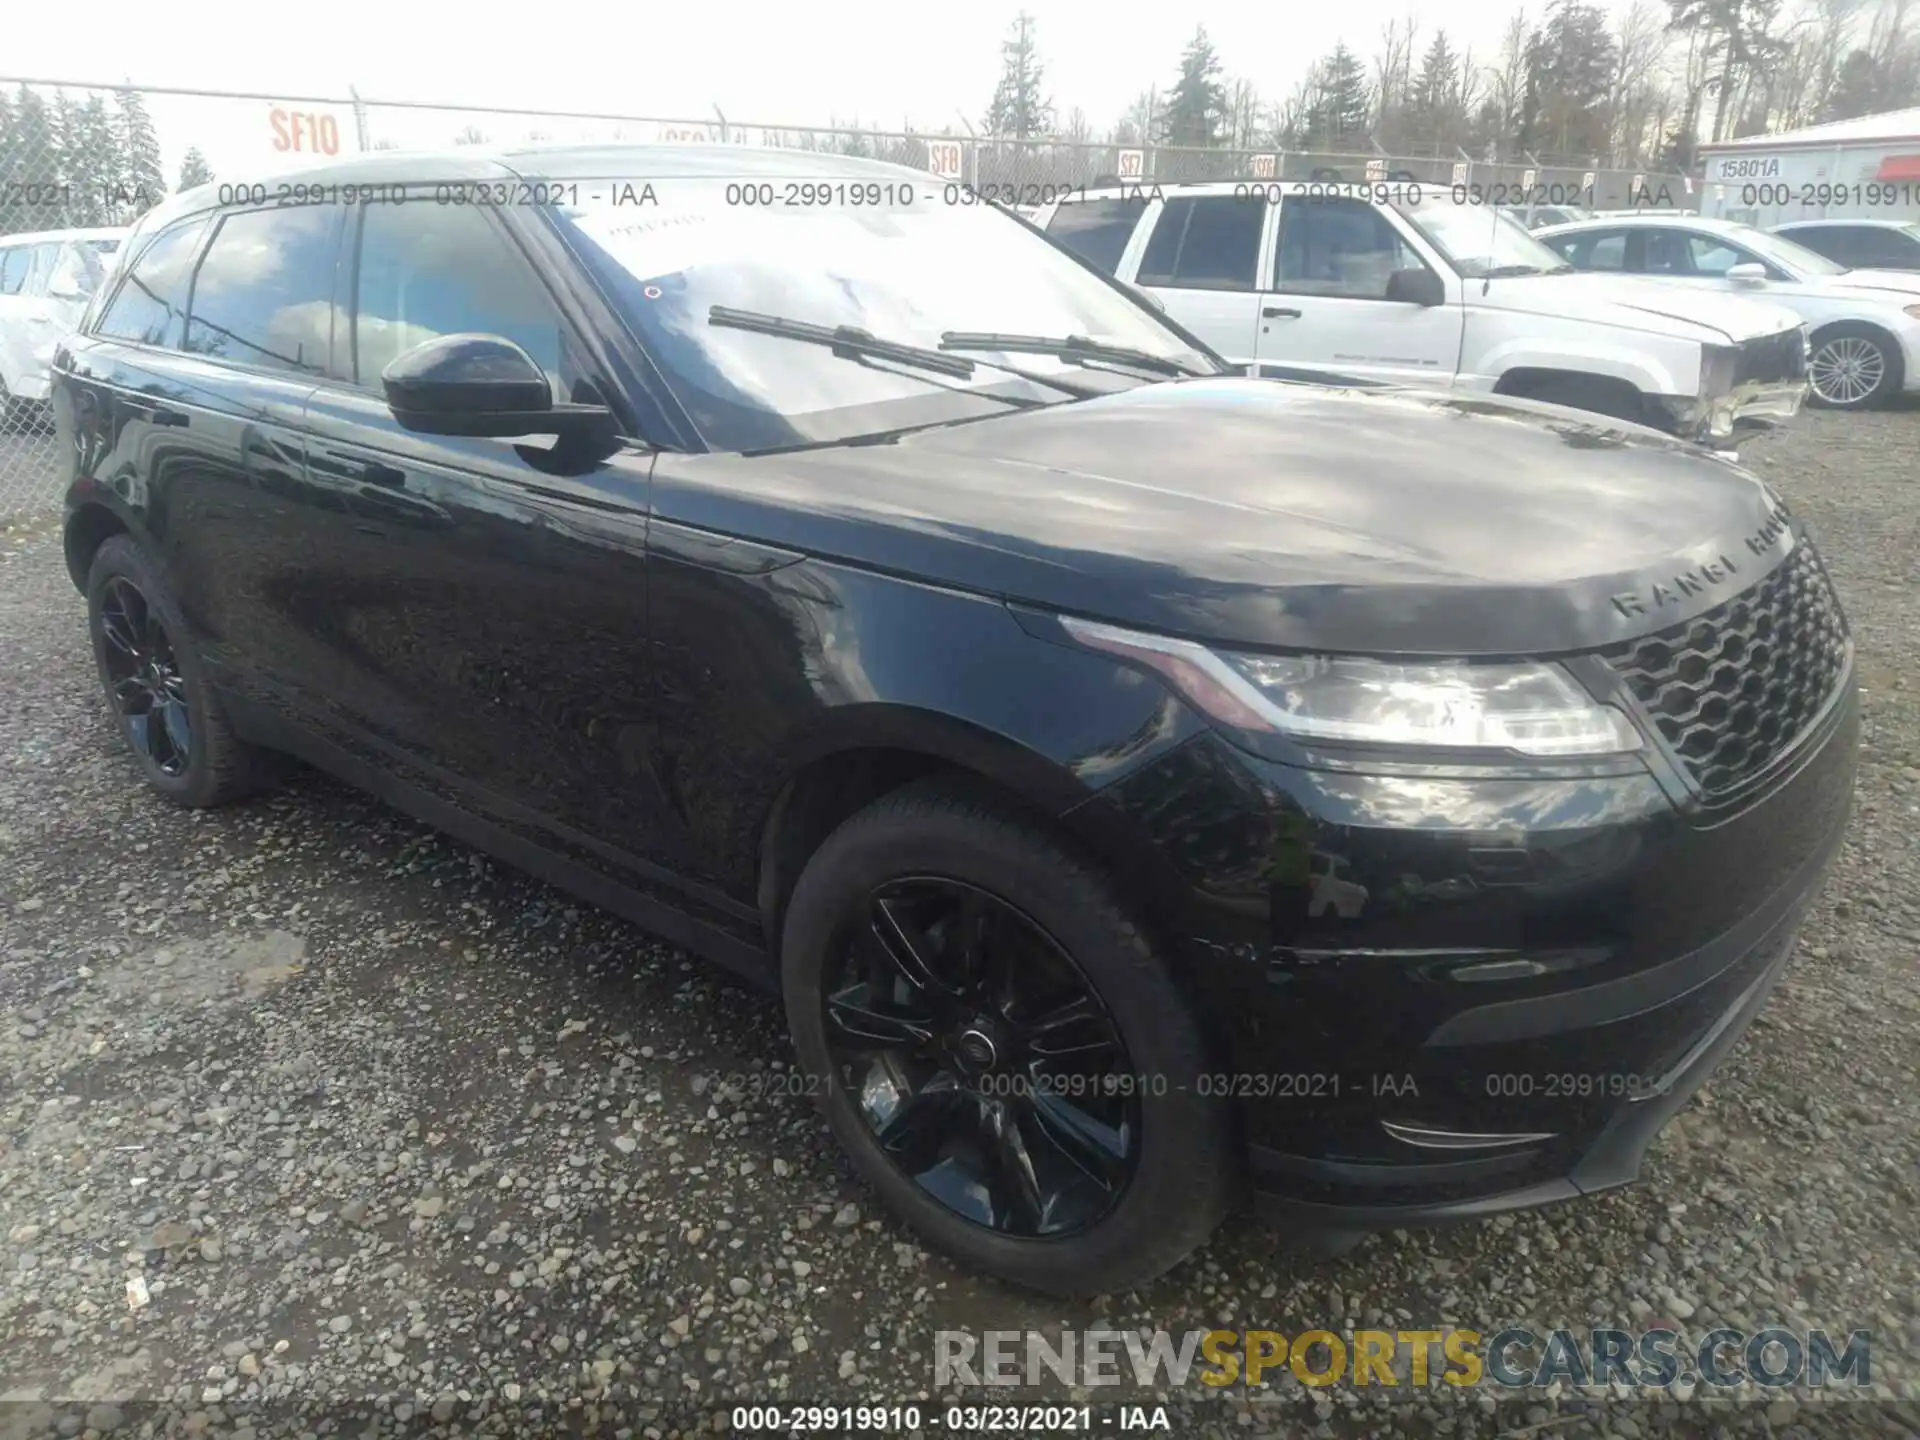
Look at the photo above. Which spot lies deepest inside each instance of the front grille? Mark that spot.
(1732, 689)
(1773, 358)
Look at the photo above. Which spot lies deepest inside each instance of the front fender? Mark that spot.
(1652, 366)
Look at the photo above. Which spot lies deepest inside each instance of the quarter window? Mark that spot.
(432, 270)
(1338, 247)
(1204, 243)
(150, 302)
(264, 293)
(1097, 230)
(15, 261)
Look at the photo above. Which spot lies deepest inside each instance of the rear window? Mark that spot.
(1204, 243)
(1097, 230)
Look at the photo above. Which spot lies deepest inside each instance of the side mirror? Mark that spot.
(1418, 286)
(66, 293)
(1747, 272)
(478, 385)
(1148, 298)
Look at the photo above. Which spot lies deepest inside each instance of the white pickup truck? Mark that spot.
(1402, 284)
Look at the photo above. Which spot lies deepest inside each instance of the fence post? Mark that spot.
(359, 118)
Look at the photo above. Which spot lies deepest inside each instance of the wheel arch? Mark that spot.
(88, 527)
(888, 748)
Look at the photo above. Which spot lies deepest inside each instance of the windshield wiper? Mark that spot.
(1067, 347)
(850, 342)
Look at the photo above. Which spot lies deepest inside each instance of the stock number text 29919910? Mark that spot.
(1865, 192)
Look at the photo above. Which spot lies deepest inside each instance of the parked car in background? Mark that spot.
(46, 279)
(883, 603)
(1864, 324)
(1859, 244)
(1535, 217)
(1301, 279)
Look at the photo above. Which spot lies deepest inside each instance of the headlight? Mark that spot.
(1532, 708)
(1718, 365)
(1914, 311)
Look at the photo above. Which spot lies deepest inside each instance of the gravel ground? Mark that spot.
(377, 1124)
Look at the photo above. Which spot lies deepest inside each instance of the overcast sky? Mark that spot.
(882, 64)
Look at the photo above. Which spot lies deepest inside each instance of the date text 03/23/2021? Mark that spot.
(951, 1419)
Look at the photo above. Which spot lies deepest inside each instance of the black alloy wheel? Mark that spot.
(996, 1041)
(143, 677)
(981, 1059)
(168, 713)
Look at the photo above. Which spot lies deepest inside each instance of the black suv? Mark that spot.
(1137, 780)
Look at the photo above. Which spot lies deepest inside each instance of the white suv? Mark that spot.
(46, 279)
(1402, 284)
(1865, 324)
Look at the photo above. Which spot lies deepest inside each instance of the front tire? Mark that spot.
(1853, 367)
(1000, 1050)
(157, 688)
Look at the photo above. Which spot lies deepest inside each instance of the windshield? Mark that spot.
(1479, 239)
(907, 273)
(1789, 255)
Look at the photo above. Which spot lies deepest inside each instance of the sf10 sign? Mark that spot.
(946, 158)
(1460, 174)
(1376, 169)
(1133, 164)
(304, 132)
(1263, 166)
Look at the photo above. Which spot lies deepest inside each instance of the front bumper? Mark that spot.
(1478, 994)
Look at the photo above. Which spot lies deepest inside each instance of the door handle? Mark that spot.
(1278, 312)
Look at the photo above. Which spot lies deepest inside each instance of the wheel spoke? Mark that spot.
(1097, 1150)
(861, 1024)
(916, 1133)
(178, 724)
(1020, 1203)
(132, 696)
(907, 947)
(141, 731)
(122, 629)
(1075, 1028)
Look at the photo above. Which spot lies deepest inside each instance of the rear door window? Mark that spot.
(1209, 242)
(1097, 230)
(263, 296)
(151, 302)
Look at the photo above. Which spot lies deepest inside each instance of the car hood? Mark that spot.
(1265, 513)
(1637, 304)
(1900, 287)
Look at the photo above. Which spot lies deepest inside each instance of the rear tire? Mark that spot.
(1853, 367)
(1181, 1177)
(157, 687)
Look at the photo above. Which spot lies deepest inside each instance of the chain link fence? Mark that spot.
(90, 158)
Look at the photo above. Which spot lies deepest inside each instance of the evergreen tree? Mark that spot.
(91, 148)
(33, 170)
(142, 183)
(1337, 119)
(1196, 106)
(1436, 113)
(1569, 78)
(194, 169)
(1019, 110)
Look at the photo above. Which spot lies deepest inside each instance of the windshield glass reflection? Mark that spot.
(905, 273)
